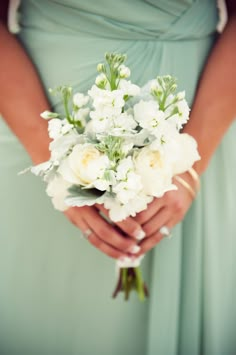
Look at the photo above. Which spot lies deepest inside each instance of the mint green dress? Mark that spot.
(55, 288)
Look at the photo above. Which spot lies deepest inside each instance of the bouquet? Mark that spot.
(118, 145)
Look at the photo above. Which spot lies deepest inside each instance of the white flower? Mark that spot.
(80, 100)
(124, 71)
(128, 182)
(182, 152)
(180, 113)
(155, 171)
(81, 115)
(99, 123)
(148, 115)
(125, 166)
(119, 212)
(57, 189)
(57, 128)
(84, 166)
(128, 88)
(125, 122)
(106, 103)
(129, 188)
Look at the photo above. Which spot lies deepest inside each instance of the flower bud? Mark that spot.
(100, 67)
(47, 115)
(124, 71)
(101, 80)
(180, 95)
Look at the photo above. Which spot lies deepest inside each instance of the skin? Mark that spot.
(210, 106)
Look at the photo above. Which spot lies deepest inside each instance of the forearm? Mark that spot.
(214, 108)
(22, 98)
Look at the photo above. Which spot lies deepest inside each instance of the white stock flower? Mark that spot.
(155, 171)
(125, 166)
(181, 113)
(106, 103)
(98, 123)
(148, 115)
(80, 100)
(128, 182)
(128, 88)
(57, 189)
(57, 128)
(118, 211)
(85, 166)
(126, 190)
(81, 115)
(125, 122)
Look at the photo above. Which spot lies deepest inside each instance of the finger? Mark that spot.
(151, 210)
(129, 226)
(104, 247)
(150, 242)
(157, 221)
(108, 234)
(75, 215)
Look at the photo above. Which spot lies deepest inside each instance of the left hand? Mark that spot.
(165, 211)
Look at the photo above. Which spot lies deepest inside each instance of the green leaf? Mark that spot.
(84, 197)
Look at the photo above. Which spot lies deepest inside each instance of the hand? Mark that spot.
(165, 211)
(104, 235)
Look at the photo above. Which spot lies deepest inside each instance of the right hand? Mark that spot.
(115, 240)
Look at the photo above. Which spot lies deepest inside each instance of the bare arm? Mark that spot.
(22, 99)
(213, 112)
(215, 104)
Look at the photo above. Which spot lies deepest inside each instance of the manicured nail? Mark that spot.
(140, 234)
(134, 249)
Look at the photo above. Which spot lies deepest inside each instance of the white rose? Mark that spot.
(155, 171)
(183, 152)
(84, 166)
(57, 189)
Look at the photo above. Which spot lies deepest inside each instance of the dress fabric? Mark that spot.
(55, 288)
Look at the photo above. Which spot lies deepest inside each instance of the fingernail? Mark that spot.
(134, 249)
(140, 234)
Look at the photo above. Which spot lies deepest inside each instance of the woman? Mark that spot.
(55, 288)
